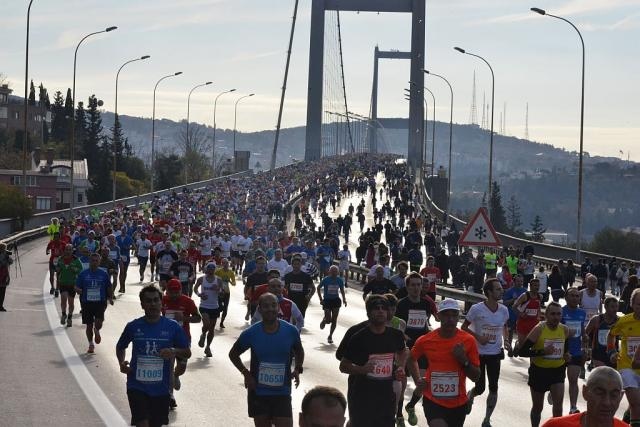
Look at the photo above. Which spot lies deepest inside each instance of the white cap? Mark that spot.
(448, 304)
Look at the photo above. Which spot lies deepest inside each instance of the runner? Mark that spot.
(487, 322)
(574, 318)
(547, 347)
(598, 331)
(209, 305)
(628, 330)
(257, 278)
(432, 275)
(67, 269)
(344, 257)
(509, 298)
(268, 380)
(165, 258)
(55, 248)
(182, 309)
(378, 284)
(287, 309)
(452, 357)
(330, 300)
(299, 285)
(528, 307)
(228, 277)
(143, 247)
(373, 358)
(185, 272)
(157, 341)
(124, 242)
(94, 287)
(591, 297)
(603, 393)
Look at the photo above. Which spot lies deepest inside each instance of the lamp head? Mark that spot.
(426, 71)
(111, 29)
(232, 90)
(178, 73)
(538, 10)
(145, 57)
(459, 49)
(251, 94)
(208, 83)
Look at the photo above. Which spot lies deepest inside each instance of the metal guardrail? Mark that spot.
(545, 254)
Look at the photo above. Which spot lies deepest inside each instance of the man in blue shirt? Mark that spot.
(574, 318)
(510, 296)
(330, 299)
(157, 341)
(124, 242)
(272, 341)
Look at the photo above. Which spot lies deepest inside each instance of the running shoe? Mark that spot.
(322, 323)
(486, 423)
(246, 316)
(51, 291)
(221, 325)
(330, 340)
(207, 352)
(91, 349)
(3, 309)
(56, 293)
(97, 336)
(574, 411)
(172, 403)
(400, 422)
(176, 382)
(412, 417)
(201, 341)
(141, 279)
(63, 319)
(68, 321)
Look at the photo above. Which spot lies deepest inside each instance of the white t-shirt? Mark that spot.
(542, 277)
(143, 247)
(281, 266)
(225, 247)
(488, 323)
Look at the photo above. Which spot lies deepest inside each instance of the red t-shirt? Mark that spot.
(184, 304)
(56, 248)
(432, 275)
(574, 421)
(193, 255)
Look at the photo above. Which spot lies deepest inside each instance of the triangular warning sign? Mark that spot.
(479, 231)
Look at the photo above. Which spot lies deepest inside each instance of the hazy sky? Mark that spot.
(242, 44)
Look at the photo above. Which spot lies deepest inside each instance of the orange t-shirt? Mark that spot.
(574, 421)
(445, 377)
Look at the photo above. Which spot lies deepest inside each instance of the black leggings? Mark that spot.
(3, 291)
(490, 364)
(223, 302)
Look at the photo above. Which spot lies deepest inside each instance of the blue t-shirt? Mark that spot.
(94, 285)
(332, 287)
(325, 255)
(150, 373)
(124, 242)
(270, 357)
(574, 319)
(513, 293)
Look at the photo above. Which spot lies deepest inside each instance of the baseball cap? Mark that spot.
(448, 304)
(174, 285)
(210, 265)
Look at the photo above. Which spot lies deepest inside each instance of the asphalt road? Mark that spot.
(49, 379)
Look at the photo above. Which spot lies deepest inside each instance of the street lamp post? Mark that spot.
(235, 116)
(581, 155)
(188, 147)
(407, 96)
(153, 126)
(493, 83)
(450, 136)
(25, 137)
(213, 147)
(433, 135)
(73, 116)
(115, 124)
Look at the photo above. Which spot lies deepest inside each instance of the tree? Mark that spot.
(13, 204)
(97, 152)
(537, 229)
(80, 131)
(513, 214)
(194, 148)
(168, 171)
(58, 122)
(43, 97)
(496, 210)
(32, 94)
(615, 242)
(118, 142)
(127, 187)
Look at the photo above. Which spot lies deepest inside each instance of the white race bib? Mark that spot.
(93, 294)
(295, 287)
(149, 369)
(492, 333)
(603, 334)
(431, 278)
(332, 289)
(271, 374)
(575, 326)
(170, 314)
(531, 312)
(558, 348)
(183, 276)
(383, 369)
(444, 384)
(632, 346)
(113, 255)
(417, 319)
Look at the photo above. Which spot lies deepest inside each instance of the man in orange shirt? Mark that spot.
(452, 357)
(603, 393)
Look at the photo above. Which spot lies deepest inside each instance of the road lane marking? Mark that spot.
(92, 391)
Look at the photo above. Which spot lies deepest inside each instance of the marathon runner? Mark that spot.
(579, 347)
(55, 248)
(209, 305)
(68, 268)
(125, 242)
(528, 308)
(268, 381)
(330, 299)
(487, 322)
(287, 309)
(143, 248)
(228, 277)
(157, 341)
(185, 272)
(598, 331)
(165, 258)
(299, 285)
(508, 299)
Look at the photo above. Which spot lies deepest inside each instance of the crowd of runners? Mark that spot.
(245, 233)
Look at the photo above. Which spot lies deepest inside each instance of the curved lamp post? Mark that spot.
(213, 147)
(493, 83)
(580, 158)
(73, 116)
(25, 137)
(235, 116)
(142, 58)
(450, 135)
(153, 126)
(186, 181)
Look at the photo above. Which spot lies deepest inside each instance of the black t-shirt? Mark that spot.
(347, 337)
(379, 287)
(257, 279)
(298, 284)
(416, 314)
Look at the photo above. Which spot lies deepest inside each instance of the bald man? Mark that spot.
(603, 393)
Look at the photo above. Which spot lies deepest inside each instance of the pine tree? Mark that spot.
(98, 155)
(537, 229)
(58, 129)
(32, 94)
(81, 132)
(496, 210)
(68, 114)
(513, 214)
(43, 97)
(119, 143)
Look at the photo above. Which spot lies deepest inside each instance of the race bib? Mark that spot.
(575, 326)
(183, 276)
(417, 319)
(444, 384)
(603, 334)
(383, 366)
(492, 333)
(558, 348)
(532, 312)
(271, 374)
(332, 289)
(431, 278)
(93, 294)
(170, 314)
(295, 287)
(149, 369)
(632, 346)
(113, 254)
